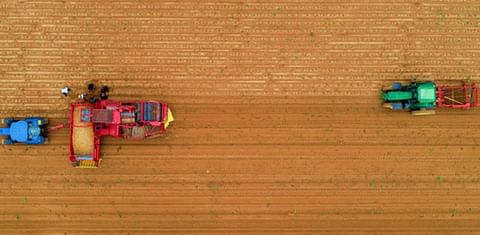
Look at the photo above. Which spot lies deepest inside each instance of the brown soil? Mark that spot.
(278, 130)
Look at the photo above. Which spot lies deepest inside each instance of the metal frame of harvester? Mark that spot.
(119, 119)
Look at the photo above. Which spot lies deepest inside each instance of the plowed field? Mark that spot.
(279, 127)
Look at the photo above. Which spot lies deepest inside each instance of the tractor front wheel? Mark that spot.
(388, 105)
(423, 112)
(387, 88)
(395, 86)
(5, 121)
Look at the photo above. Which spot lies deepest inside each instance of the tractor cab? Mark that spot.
(27, 131)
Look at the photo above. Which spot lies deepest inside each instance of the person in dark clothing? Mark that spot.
(83, 97)
(105, 89)
(103, 96)
(91, 87)
(104, 92)
(93, 100)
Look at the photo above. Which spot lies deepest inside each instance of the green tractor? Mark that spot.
(418, 97)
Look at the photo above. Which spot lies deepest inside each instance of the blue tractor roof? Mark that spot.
(19, 131)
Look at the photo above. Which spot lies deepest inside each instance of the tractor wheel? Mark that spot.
(395, 86)
(423, 112)
(387, 88)
(388, 105)
(5, 121)
(393, 105)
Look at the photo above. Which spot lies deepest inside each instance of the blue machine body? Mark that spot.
(27, 131)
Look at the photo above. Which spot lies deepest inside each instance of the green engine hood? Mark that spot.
(397, 95)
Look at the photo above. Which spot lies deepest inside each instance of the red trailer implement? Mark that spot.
(120, 119)
(464, 96)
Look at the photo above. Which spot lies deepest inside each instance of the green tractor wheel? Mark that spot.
(423, 112)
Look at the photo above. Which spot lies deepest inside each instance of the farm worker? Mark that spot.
(91, 87)
(65, 91)
(105, 89)
(83, 97)
(93, 100)
(104, 92)
(103, 96)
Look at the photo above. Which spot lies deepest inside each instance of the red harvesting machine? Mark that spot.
(120, 119)
(460, 96)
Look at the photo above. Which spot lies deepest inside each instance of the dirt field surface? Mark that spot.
(279, 127)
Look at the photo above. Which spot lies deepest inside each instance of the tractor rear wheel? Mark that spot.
(6, 141)
(393, 105)
(423, 112)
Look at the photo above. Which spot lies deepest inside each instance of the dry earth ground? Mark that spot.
(278, 129)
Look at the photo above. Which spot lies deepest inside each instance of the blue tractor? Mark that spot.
(28, 131)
